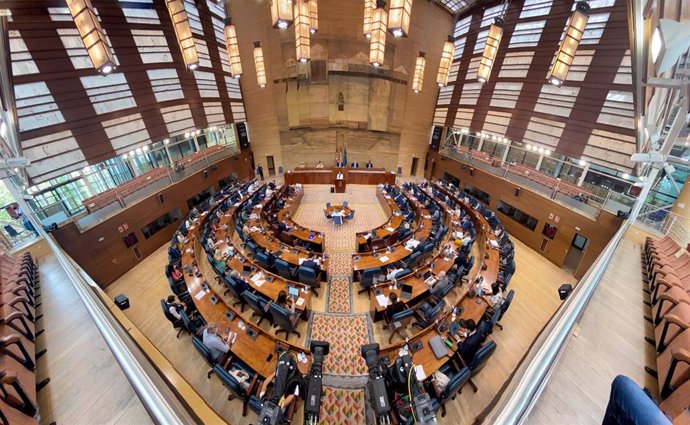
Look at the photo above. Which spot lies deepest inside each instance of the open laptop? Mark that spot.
(405, 291)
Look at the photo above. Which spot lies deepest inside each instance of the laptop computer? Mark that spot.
(246, 269)
(293, 292)
(405, 291)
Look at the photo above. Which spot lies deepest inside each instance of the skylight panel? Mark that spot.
(141, 16)
(491, 13)
(206, 82)
(533, 8)
(36, 107)
(22, 62)
(108, 93)
(459, 47)
(462, 26)
(527, 34)
(595, 28)
(152, 46)
(165, 84)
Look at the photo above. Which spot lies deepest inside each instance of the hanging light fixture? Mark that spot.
(571, 40)
(233, 49)
(281, 13)
(418, 79)
(446, 61)
(379, 22)
(369, 6)
(259, 64)
(302, 30)
(313, 16)
(183, 32)
(493, 40)
(399, 17)
(92, 35)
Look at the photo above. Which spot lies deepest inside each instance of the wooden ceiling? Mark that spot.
(69, 116)
(589, 117)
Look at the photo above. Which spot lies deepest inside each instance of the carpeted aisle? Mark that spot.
(343, 407)
(346, 333)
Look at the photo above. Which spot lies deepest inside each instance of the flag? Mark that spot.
(345, 155)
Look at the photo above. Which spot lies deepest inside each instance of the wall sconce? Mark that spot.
(379, 22)
(493, 40)
(233, 49)
(571, 40)
(418, 79)
(259, 64)
(446, 61)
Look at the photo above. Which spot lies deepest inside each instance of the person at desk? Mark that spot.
(174, 253)
(194, 213)
(340, 164)
(282, 301)
(472, 343)
(395, 306)
(369, 164)
(269, 191)
(319, 165)
(174, 310)
(355, 164)
(283, 227)
(217, 345)
(313, 263)
(442, 284)
(392, 271)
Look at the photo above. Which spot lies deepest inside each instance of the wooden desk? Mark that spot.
(310, 175)
(302, 233)
(340, 185)
(392, 210)
(473, 308)
(254, 352)
(370, 260)
(336, 208)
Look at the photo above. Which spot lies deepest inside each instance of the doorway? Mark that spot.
(415, 163)
(577, 249)
(271, 165)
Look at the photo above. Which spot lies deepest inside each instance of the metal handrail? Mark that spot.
(156, 396)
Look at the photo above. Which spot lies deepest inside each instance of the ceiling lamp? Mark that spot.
(399, 17)
(259, 64)
(379, 22)
(281, 13)
(369, 6)
(493, 40)
(313, 16)
(302, 31)
(446, 61)
(183, 32)
(418, 79)
(92, 35)
(233, 49)
(571, 40)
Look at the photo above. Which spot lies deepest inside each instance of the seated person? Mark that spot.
(312, 262)
(282, 301)
(392, 271)
(319, 165)
(283, 227)
(472, 342)
(194, 213)
(443, 283)
(369, 164)
(219, 258)
(174, 309)
(495, 297)
(215, 342)
(395, 306)
(355, 164)
(174, 253)
(461, 260)
(176, 273)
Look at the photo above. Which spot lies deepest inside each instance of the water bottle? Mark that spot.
(454, 315)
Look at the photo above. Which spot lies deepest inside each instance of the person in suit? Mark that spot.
(312, 263)
(174, 310)
(369, 164)
(355, 164)
(283, 227)
(472, 343)
(319, 165)
(442, 284)
(395, 306)
(260, 172)
(340, 164)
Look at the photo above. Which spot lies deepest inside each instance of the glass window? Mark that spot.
(520, 216)
(161, 222)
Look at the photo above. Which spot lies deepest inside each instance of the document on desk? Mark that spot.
(382, 300)
(384, 258)
(390, 229)
(302, 260)
(419, 373)
(200, 295)
(300, 302)
(258, 279)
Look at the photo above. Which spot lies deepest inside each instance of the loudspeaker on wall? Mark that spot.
(517, 192)
(160, 198)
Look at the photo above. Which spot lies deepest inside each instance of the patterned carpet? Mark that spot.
(346, 334)
(339, 295)
(342, 407)
(361, 198)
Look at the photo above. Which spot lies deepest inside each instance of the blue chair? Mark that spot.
(337, 220)
(177, 324)
(345, 203)
(367, 278)
(350, 216)
(456, 380)
(328, 204)
(205, 353)
(504, 307)
(265, 260)
(255, 404)
(251, 248)
(236, 288)
(283, 319)
(191, 327)
(308, 276)
(479, 361)
(257, 305)
(412, 260)
(284, 269)
(399, 323)
(427, 248)
(325, 214)
(402, 273)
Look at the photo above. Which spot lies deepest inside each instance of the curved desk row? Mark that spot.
(384, 257)
(288, 211)
(391, 209)
(472, 308)
(253, 345)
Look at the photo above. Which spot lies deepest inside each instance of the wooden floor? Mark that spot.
(536, 300)
(608, 341)
(86, 385)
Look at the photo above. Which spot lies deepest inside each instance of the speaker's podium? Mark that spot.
(340, 184)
